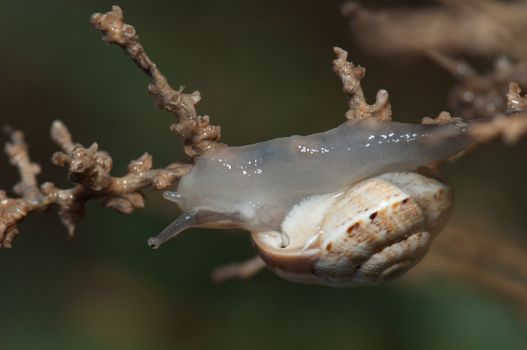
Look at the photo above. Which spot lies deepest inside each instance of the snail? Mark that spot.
(343, 207)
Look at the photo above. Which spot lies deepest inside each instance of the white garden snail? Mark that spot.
(343, 207)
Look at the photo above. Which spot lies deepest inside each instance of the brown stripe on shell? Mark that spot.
(392, 217)
(353, 227)
(374, 231)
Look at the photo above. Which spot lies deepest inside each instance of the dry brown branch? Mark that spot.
(90, 168)
(351, 75)
(443, 118)
(469, 26)
(508, 127)
(87, 167)
(196, 130)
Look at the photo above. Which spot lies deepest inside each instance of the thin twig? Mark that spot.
(198, 133)
(90, 168)
(351, 76)
(457, 68)
(511, 127)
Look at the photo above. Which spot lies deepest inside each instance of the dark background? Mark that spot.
(264, 70)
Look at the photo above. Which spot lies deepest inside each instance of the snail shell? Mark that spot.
(373, 231)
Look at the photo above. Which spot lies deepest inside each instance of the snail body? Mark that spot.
(300, 195)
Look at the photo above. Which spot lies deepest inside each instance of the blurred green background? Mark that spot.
(264, 70)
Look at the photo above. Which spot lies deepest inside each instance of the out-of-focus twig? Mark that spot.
(469, 26)
(236, 271)
(492, 28)
(510, 127)
(478, 257)
(480, 95)
(456, 67)
(515, 101)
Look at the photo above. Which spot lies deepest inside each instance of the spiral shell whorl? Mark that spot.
(373, 231)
